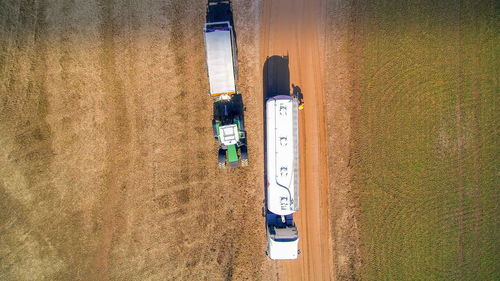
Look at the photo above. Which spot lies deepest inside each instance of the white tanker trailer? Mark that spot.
(282, 176)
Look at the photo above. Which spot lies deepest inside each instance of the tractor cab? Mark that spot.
(229, 131)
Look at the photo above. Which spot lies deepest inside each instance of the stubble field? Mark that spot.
(108, 164)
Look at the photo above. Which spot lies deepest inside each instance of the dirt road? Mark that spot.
(296, 29)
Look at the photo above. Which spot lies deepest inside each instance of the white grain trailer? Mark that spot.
(221, 58)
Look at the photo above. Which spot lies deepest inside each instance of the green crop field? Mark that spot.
(427, 146)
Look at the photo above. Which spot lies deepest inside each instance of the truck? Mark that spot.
(228, 118)
(281, 176)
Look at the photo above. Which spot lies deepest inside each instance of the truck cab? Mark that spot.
(282, 236)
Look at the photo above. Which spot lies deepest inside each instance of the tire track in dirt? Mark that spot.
(117, 141)
(66, 57)
(26, 140)
(189, 80)
(26, 104)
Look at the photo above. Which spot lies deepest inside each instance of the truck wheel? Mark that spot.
(244, 162)
(263, 211)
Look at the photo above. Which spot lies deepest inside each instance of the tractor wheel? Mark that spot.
(244, 155)
(221, 158)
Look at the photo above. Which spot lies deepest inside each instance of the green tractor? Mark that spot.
(229, 131)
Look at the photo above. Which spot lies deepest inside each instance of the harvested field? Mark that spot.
(108, 165)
